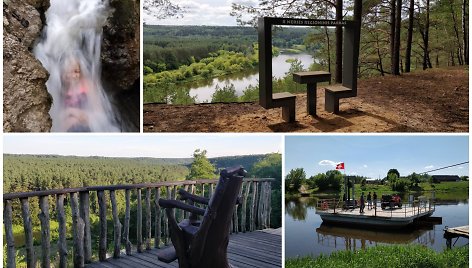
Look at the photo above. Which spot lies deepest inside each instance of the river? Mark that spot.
(203, 90)
(305, 234)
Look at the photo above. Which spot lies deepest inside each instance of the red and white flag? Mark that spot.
(340, 165)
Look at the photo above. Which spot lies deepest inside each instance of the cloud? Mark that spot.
(199, 12)
(243, 2)
(364, 166)
(460, 167)
(327, 163)
(429, 167)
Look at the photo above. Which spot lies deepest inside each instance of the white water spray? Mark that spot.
(70, 52)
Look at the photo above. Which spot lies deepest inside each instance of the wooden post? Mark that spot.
(243, 209)
(174, 196)
(127, 218)
(7, 222)
(139, 223)
(269, 204)
(210, 190)
(84, 209)
(148, 218)
(166, 220)
(253, 206)
(157, 234)
(116, 225)
(102, 211)
(185, 212)
(260, 205)
(45, 231)
(61, 243)
(28, 225)
(78, 231)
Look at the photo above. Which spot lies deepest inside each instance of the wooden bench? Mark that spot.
(333, 94)
(310, 79)
(287, 102)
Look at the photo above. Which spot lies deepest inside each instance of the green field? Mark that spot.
(404, 256)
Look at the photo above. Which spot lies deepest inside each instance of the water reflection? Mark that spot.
(352, 238)
(202, 90)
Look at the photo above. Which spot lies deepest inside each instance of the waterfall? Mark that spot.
(69, 50)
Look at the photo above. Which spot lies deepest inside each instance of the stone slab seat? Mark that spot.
(311, 77)
(287, 102)
(333, 94)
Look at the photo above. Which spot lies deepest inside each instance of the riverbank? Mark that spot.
(387, 256)
(435, 100)
(444, 190)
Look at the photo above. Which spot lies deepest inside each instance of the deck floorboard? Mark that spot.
(251, 249)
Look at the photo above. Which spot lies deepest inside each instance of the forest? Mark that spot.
(22, 173)
(396, 37)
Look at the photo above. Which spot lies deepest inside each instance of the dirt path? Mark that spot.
(435, 100)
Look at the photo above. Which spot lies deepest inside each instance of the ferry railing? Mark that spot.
(73, 207)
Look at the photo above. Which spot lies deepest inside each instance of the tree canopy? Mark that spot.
(201, 167)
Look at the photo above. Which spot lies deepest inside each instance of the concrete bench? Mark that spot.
(287, 102)
(333, 94)
(311, 78)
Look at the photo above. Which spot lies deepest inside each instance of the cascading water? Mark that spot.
(70, 51)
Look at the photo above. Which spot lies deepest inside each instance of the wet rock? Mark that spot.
(120, 61)
(22, 21)
(120, 48)
(26, 102)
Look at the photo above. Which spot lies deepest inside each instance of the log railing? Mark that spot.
(252, 213)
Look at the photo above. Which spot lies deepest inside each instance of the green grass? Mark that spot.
(404, 256)
(444, 187)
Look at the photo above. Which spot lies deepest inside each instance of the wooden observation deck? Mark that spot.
(129, 225)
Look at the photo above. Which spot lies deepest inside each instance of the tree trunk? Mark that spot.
(456, 32)
(392, 36)
(398, 20)
(464, 31)
(410, 36)
(328, 42)
(426, 40)
(339, 43)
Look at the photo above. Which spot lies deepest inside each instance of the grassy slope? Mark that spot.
(404, 256)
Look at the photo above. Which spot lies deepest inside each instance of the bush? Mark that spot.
(225, 94)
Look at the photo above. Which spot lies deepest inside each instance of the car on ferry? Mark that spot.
(391, 201)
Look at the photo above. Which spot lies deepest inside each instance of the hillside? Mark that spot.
(39, 172)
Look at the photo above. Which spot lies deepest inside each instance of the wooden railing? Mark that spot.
(253, 213)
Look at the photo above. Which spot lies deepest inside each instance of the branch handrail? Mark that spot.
(151, 223)
(21, 195)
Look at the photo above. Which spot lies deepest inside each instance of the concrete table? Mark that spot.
(310, 79)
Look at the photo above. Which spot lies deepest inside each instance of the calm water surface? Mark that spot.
(306, 235)
(203, 90)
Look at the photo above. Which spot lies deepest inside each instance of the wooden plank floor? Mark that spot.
(458, 231)
(253, 249)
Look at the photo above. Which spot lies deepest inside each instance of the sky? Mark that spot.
(202, 12)
(373, 156)
(142, 145)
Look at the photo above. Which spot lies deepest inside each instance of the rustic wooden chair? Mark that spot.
(203, 243)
